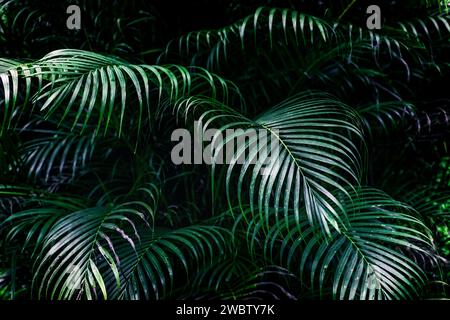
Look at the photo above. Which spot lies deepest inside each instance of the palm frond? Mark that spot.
(88, 241)
(165, 257)
(316, 152)
(99, 88)
(288, 25)
(364, 261)
(240, 278)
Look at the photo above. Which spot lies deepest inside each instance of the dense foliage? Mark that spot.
(356, 207)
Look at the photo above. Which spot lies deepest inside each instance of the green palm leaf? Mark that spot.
(365, 261)
(67, 265)
(165, 257)
(314, 155)
(93, 86)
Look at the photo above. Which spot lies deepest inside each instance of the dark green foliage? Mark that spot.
(355, 207)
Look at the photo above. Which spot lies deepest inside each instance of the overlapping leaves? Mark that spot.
(316, 151)
(365, 261)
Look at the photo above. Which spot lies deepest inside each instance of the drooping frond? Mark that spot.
(286, 25)
(93, 90)
(72, 240)
(164, 258)
(309, 153)
(278, 50)
(365, 261)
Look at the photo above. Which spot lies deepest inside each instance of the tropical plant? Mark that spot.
(355, 205)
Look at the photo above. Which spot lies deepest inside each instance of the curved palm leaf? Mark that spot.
(165, 257)
(363, 262)
(67, 265)
(313, 155)
(288, 25)
(100, 87)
